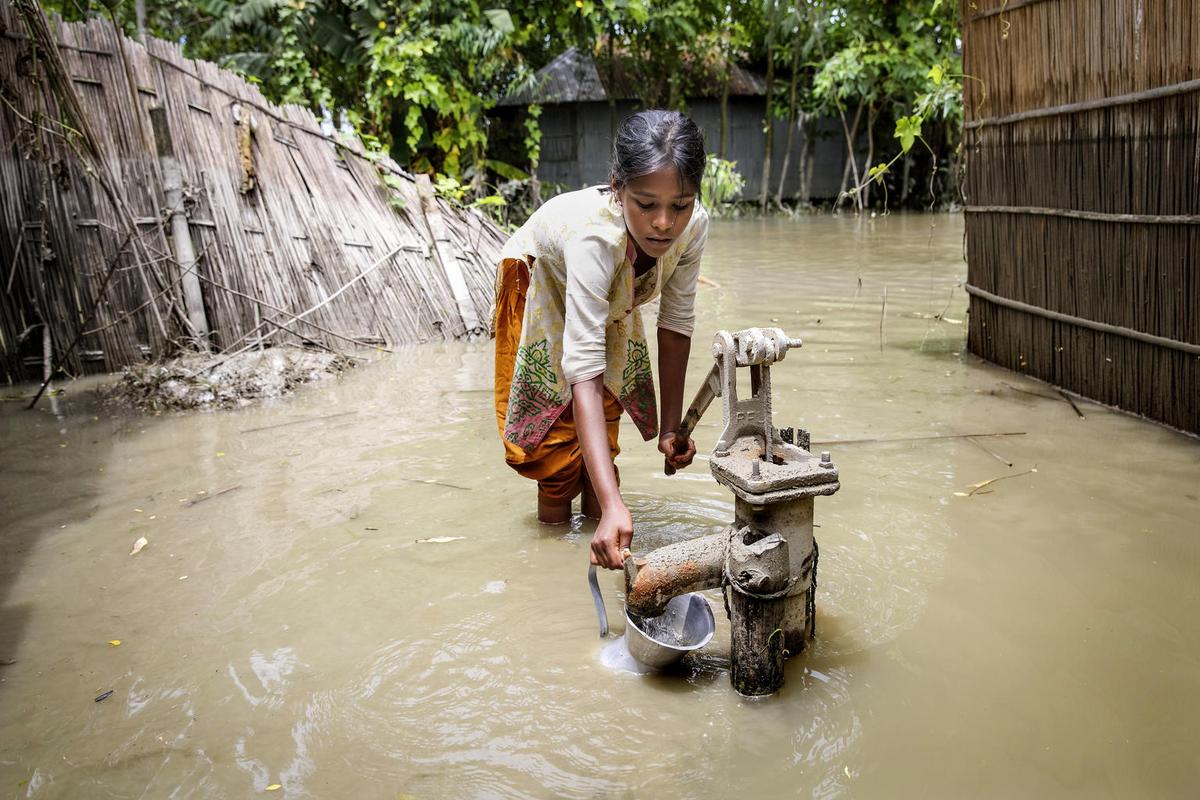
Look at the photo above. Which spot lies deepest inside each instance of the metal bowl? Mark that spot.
(658, 642)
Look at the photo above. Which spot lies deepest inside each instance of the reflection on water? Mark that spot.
(1037, 637)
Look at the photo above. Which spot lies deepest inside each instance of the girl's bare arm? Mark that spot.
(614, 532)
(673, 349)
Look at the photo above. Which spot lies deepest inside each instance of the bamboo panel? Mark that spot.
(1143, 277)
(1067, 51)
(1073, 170)
(317, 218)
(1156, 382)
(1130, 160)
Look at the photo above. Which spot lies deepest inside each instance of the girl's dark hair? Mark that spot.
(650, 140)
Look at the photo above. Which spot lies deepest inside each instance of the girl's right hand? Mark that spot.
(613, 534)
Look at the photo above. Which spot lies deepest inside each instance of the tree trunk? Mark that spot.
(791, 123)
(765, 188)
(726, 79)
(723, 148)
(866, 191)
(851, 133)
(610, 90)
(804, 190)
(952, 193)
(535, 188)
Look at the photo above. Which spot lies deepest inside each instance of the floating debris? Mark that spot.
(975, 487)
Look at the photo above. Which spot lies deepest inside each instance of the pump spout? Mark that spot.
(653, 579)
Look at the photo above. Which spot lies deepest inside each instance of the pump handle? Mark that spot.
(700, 403)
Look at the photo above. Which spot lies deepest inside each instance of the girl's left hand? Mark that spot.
(679, 454)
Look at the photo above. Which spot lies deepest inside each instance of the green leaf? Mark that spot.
(331, 35)
(490, 200)
(500, 19)
(936, 73)
(506, 170)
(877, 172)
(907, 131)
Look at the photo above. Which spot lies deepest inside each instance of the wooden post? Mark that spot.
(181, 237)
(756, 643)
(48, 365)
(758, 571)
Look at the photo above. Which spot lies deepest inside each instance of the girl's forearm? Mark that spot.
(588, 407)
(673, 349)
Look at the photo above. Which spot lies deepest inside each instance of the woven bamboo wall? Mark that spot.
(318, 217)
(1083, 193)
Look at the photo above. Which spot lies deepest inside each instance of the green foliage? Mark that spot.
(533, 135)
(396, 184)
(449, 187)
(908, 129)
(942, 100)
(721, 185)
(506, 170)
(418, 79)
(490, 200)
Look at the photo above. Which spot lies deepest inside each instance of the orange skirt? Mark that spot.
(556, 462)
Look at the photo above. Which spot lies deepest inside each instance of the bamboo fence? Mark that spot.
(297, 236)
(1083, 192)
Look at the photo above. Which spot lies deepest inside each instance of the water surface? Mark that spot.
(1036, 638)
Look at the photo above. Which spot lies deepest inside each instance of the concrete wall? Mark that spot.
(576, 144)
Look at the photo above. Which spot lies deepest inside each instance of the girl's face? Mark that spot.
(656, 207)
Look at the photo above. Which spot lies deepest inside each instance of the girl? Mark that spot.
(570, 349)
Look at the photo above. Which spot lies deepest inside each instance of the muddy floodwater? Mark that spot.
(287, 633)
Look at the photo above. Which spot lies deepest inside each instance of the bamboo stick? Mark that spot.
(1095, 216)
(1160, 341)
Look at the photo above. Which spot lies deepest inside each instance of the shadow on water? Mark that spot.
(49, 479)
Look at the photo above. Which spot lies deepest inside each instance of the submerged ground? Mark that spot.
(285, 628)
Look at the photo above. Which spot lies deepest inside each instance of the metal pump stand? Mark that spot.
(766, 561)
